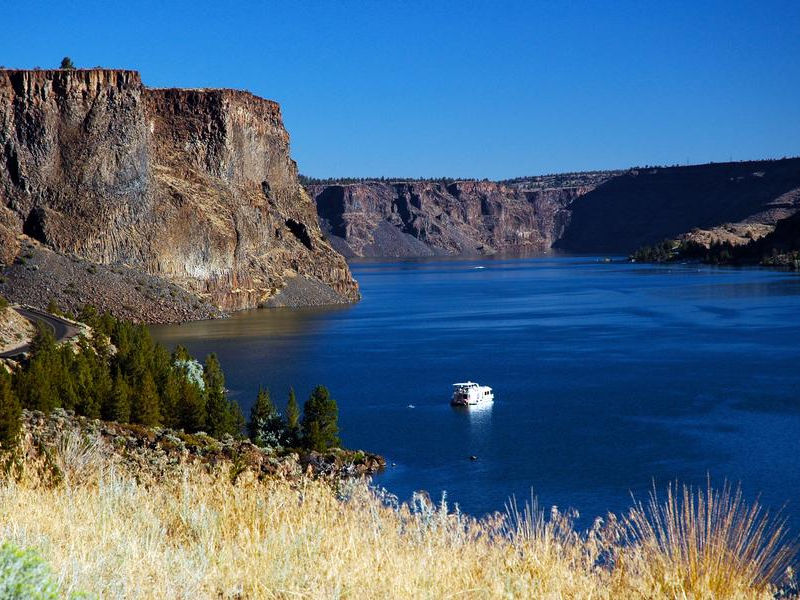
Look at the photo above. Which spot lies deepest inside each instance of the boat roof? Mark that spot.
(466, 383)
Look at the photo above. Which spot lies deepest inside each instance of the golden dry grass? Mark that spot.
(202, 536)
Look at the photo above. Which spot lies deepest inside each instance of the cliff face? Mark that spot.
(194, 186)
(610, 212)
(423, 218)
(645, 206)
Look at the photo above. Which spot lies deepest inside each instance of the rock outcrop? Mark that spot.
(157, 453)
(608, 212)
(428, 218)
(193, 186)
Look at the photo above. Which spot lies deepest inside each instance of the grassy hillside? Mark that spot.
(214, 530)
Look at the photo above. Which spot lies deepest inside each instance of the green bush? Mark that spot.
(25, 576)
(3, 303)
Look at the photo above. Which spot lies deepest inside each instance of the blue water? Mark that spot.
(607, 377)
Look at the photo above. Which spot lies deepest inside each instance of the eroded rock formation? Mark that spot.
(608, 212)
(194, 186)
(425, 218)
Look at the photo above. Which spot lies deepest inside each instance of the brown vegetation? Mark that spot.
(201, 533)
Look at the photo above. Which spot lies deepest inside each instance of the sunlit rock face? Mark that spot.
(428, 218)
(196, 186)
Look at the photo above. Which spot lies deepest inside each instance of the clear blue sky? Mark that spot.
(469, 89)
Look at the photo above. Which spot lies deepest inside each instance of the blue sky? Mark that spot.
(463, 89)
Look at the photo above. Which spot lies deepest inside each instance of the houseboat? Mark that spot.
(469, 393)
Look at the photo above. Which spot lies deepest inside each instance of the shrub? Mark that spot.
(54, 309)
(66, 63)
(25, 576)
(3, 303)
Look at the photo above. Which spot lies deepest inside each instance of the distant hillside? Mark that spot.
(778, 248)
(645, 206)
(602, 211)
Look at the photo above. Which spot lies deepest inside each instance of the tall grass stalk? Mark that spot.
(710, 540)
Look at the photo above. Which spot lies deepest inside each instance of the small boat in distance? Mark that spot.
(469, 393)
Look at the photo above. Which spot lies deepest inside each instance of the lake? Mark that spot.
(608, 377)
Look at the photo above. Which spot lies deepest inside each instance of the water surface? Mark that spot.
(607, 376)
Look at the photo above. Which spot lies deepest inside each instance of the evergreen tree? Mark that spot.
(262, 409)
(218, 417)
(170, 395)
(165, 376)
(266, 428)
(118, 406)
(66, 63)
(35, 386)
(181, 353)
(144, 405)
(10, 412)
(292, 420)
(81, 369)
(103, 382)
(320, 421)
(192, 408)
(237, 422)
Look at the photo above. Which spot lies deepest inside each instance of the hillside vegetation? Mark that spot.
(212, 529)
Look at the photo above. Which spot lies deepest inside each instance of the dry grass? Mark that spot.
(201, 536)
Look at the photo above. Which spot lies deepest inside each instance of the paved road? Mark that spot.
(61, 328)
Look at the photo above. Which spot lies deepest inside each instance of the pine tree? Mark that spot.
(10, 412)
(191, 409)
(320, 421)
(236, 419)
(40, 385)
(266, 428)
(79, 367)
(66, 63)
(118, 406)
(170, 395)
(144, 406)
(262, 409)
(218, 418)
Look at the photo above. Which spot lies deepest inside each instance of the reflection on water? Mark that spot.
(253, 324)
(607, 375)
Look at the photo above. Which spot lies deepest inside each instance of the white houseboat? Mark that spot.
(470, 393)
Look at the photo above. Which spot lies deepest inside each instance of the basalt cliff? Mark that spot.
(431, 218)
(137, 187)
(600, 212)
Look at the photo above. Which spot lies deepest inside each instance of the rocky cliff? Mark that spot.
(608, 212)
(644, 206)
(192, 186)
(429, 218)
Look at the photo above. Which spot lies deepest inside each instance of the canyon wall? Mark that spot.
(647, 205)
(194, 186)
(428, 218)
(603, 212)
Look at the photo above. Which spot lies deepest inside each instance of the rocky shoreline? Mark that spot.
(157, 453)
